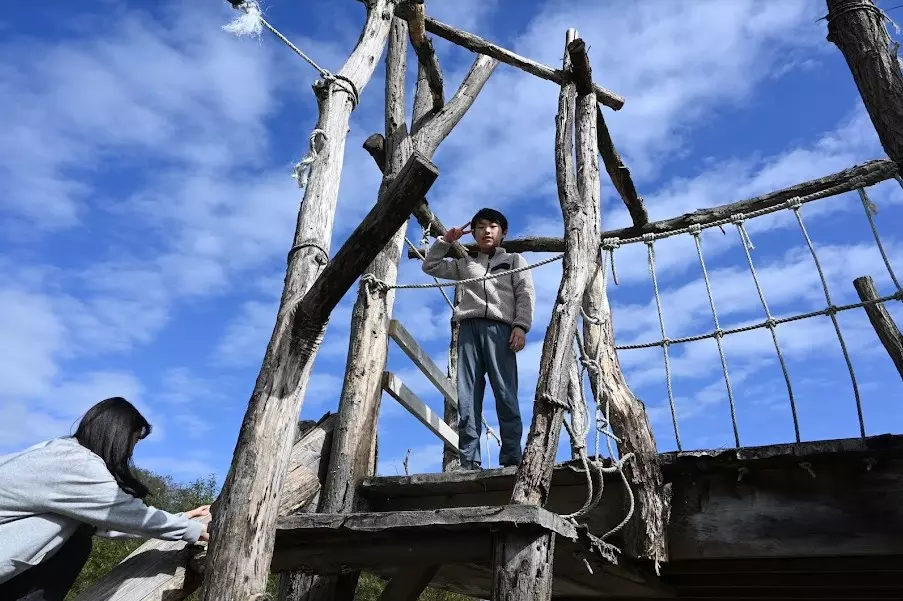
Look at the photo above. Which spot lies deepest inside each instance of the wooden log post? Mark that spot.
(259, 465)
(858, 29)
(887, 331)
(368, 346)
(644, 536)
(243, 527)
(858, 176)
(580, 206)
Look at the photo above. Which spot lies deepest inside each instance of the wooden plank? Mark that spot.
(482, 46)
(404, 395)
(887, 331)
(859, 30)
(731, 504)
(308, 460)
(858, 176)
(422, 360)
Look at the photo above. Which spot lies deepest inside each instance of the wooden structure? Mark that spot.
(787, 521)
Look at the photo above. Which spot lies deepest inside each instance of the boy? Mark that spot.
(495, 316)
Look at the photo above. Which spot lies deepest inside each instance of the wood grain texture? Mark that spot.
(523, 565)
(450, 457)
(620, 175)
(581, 209)
(426, 55)
(420, 410)
(422, 360)
(242, 530)
(887, 331)
(859, 30)
(858, 176)
(482, 46)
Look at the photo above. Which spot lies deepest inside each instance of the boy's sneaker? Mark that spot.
(468, 467)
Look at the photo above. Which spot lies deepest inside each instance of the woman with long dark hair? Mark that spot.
(56, 495)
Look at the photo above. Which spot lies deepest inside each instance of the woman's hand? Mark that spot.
(205, 536)
(198, 512)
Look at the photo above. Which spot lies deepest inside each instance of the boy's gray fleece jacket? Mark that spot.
(50, 489)
(509, 298)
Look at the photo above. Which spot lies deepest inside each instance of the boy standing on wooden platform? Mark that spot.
(495, 316)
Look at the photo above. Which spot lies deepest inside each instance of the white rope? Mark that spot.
(301, 170)
(249, 22)
(374, 281)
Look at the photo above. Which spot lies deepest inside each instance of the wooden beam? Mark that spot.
(858, 176)
(367, 346)
(362, 246)
(422, 360)
(579, 198)
(620, 175)
(859, 30)
(737, 504)
(375, 146)
(437, 127)
(244, 516)
(409, 583)
(426, 55)
(645, 535)
(450, 457)
(404, 395)
(887, 331)
(481, 46)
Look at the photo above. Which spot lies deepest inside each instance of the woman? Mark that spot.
(57, 494)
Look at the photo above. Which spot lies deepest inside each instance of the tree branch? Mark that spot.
(426, 55)
(437, 127)
(481, 46)
(375, 146)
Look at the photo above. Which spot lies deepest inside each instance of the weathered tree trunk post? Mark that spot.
(645, 535)
(580, 205)
(857, 28)
(887, 331)
(451, 416)
(243, 527)
(368, 346)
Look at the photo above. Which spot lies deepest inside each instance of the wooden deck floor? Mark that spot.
(791, 521)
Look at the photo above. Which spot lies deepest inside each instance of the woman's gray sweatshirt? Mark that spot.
(50, 489)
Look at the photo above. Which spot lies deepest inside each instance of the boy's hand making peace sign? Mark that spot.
(454, 234)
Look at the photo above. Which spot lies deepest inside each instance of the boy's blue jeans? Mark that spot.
(483, 349)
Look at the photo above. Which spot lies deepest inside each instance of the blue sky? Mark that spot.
(147, 207)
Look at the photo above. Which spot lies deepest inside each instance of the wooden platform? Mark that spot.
(458, 539)
(781, 521)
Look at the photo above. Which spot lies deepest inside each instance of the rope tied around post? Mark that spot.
(301, 170)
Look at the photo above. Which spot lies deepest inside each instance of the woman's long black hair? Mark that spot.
(110, 430)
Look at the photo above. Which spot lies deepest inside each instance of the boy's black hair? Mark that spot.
(490, 215)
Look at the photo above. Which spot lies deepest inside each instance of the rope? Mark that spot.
(380, 285)
(719, 334)
(649, 239)
(831, 310)
(763, 324)
(870, 211)
(322, 258)
(251, 22)
(856, 182)
(301, 170)
(419, 254)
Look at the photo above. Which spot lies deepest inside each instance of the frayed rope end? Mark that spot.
(249, 23)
